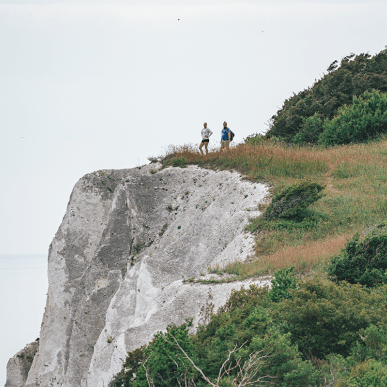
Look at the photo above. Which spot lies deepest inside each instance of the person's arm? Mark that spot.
(229, 135)
(209, 133)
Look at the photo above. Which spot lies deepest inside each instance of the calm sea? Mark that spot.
(23, 288)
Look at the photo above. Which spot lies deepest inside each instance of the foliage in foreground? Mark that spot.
(363, 260)
(319, 334)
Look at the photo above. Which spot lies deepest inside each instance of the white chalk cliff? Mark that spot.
(118, 262)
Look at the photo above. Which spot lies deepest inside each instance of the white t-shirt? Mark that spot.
(206, 133)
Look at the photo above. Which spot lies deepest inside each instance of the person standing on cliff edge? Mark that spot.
(226, 137)
(206, 134)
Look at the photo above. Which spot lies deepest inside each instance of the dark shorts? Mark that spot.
(206, 140)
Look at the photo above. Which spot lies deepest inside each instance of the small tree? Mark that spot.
(281, 284)
(292, 202)
(233, 372)
(363, 261)
(309, 130)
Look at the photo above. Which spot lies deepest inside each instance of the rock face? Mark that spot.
(118, 262)
(19, 365)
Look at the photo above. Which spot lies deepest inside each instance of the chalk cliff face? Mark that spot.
(118, 261)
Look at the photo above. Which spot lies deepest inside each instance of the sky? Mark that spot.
(99, 85)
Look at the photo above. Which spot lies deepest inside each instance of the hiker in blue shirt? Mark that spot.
(226, 137)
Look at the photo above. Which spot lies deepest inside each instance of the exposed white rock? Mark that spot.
(117, 264)
(19, 365)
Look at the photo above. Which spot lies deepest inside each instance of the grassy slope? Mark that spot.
(356, 186)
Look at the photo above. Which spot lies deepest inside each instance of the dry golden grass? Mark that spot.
(304, 258)
(191, 152)
(355, 177)
(374, 153)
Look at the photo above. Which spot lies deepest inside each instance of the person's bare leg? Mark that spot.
(200, 147)
(206, 146)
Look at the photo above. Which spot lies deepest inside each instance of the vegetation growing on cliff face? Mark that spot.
(321, 334)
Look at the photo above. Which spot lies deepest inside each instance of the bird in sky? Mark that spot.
(178, 19)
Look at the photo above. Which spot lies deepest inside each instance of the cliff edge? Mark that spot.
(118, 262)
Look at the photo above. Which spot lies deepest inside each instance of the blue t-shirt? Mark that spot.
(225, 133)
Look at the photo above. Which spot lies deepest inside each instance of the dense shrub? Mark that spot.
(292, 202)
(281, 284)
(364, 119)
(368, 374)
(160, 360)
(310, 130)
(354, 76)
(325, 318)
(255, 139)
(246, 319)
(373, 345)
(363, 261)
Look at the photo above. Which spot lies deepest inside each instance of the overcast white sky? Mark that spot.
(105, 85)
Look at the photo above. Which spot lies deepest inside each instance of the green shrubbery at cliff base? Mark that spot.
(318, 333)
(346, 105)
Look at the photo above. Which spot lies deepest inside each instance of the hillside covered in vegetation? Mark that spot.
(323, 238)
(348, 93)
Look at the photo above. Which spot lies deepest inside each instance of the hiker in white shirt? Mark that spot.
(206, 133)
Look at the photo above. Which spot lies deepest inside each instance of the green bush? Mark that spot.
(310, 130)
(363, 261)
(281, 284)
(368, 374)
(363, 120)
(246, 318)
(254, 139)
(355, 75)
(325, 318)
(373, 345)
(292, 202)
(160, 359)
(177, 162)
(130, 368)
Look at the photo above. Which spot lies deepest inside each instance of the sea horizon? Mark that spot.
(23, 286)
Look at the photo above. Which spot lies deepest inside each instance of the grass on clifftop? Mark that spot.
(355, 180)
